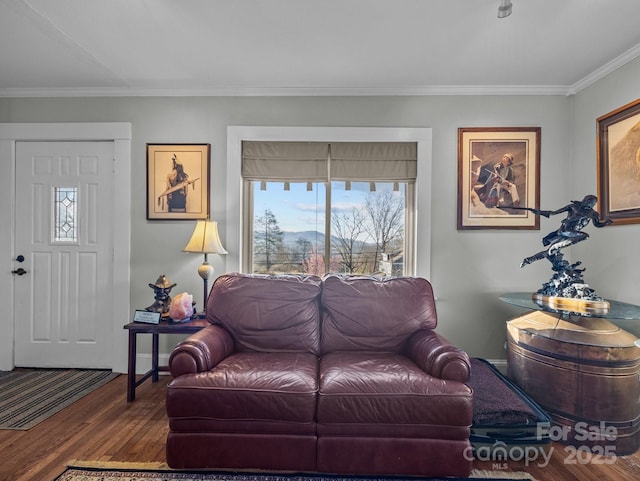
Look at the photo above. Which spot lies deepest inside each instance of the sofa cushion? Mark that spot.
(370, 388)
(268, 313)
(366, 313)
(248, 386)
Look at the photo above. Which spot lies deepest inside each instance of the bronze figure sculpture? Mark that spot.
(567, 287)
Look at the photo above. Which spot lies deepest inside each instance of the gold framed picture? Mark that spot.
(498, 177)
(178, 181)
(618, 150)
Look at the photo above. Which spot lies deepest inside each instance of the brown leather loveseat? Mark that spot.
(337, 375)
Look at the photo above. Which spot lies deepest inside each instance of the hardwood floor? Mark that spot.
(103, 427)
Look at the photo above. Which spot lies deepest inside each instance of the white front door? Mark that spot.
(64, 242)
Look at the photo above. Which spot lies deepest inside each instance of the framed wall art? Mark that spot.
(178, 181)
(498, 177)
(618, 150)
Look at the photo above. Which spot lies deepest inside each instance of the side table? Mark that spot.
(582, 369)
(164, 327)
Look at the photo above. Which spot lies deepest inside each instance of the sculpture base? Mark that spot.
(584, 375)
(572, 304)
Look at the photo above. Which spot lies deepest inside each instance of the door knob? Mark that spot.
(19, 271)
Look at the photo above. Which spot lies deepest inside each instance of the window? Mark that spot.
(65, 220)
(317, 207)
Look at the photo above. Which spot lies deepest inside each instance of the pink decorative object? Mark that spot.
(181, 306)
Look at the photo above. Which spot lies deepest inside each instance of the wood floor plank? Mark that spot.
(103, 427)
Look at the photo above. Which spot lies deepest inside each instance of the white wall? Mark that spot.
(611, 255)
(469, 269)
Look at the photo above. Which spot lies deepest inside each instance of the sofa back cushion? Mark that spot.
(266, 313)
(370, 314)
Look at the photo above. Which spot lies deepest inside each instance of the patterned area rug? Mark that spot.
(121, 474)
(29, 396)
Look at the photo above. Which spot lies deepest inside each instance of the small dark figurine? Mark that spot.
(162, 289)
(567, 281)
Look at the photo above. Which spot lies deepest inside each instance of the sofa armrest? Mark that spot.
(438, 357)
(201, 351)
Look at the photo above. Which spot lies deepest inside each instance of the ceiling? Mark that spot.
(311, 47)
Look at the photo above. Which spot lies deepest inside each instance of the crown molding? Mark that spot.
(436, 90)
(605, 70)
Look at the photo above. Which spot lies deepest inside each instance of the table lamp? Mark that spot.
(205, 240)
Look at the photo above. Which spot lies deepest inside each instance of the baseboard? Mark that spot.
(143, 363)
(500, 365)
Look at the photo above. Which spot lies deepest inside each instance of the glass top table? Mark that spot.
(622, 314)
(617, 310)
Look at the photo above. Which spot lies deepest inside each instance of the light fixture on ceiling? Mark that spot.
(504, 10)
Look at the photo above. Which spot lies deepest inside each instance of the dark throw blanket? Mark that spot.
(494, 402)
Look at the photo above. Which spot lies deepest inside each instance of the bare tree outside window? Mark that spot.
(303, 251)
(385, 223)
(347, 231)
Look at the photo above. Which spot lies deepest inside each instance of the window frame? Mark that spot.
(238, 197)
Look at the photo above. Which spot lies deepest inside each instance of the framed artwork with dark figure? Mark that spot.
(618, 149)
(498, 177)
(178, 181)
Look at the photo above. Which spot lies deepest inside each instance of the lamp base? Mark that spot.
(205, 271)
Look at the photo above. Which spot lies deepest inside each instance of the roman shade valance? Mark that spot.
(323, 161)
(289, 161)
(390, 161)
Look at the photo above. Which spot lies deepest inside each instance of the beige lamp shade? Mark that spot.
(205, 239)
